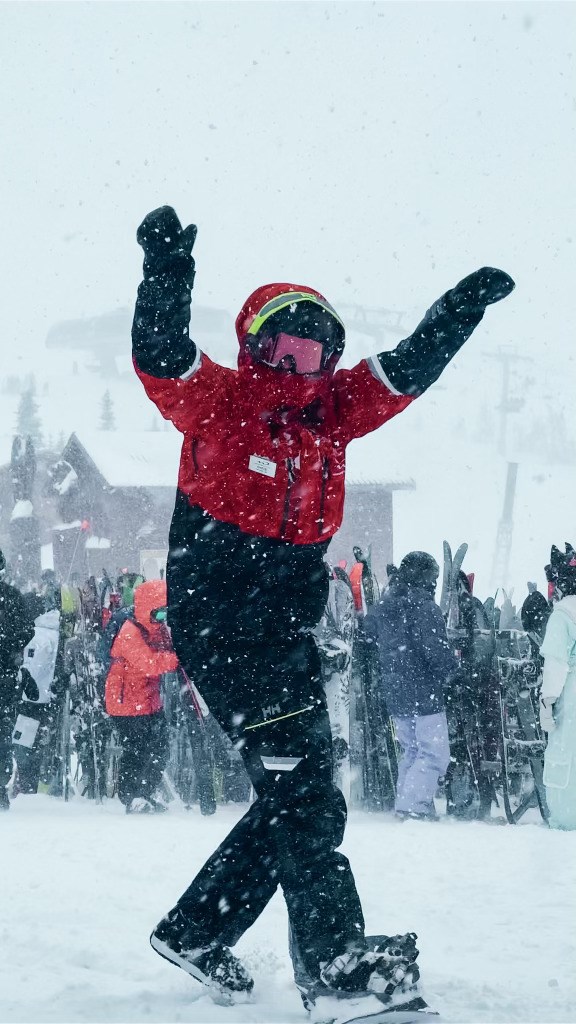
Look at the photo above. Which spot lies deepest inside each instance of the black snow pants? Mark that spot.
(144, 742)
(270, 701)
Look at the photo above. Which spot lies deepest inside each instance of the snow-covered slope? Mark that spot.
(82, 886)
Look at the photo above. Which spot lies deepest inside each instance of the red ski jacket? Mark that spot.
(141, 654)
(277, 474)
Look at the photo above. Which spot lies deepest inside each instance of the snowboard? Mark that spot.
(335, 638)
(415, 1012)
(470, 788)
(392, 1017)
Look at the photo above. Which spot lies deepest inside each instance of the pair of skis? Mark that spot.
(449, 595)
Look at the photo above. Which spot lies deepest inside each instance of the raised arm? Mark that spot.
(417, 362)
(161, 346)
(385, 384)
(181, 380)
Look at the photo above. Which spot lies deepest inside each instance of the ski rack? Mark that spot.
(522, 742)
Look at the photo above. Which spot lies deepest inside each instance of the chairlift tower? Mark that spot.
(503, 546)
(507, 357)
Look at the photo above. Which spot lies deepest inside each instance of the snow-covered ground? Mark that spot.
(82, 886)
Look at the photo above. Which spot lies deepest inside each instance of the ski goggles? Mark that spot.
(159, 615)
(293, 354)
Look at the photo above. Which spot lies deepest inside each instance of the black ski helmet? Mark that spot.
(419, 569)
(561, 572)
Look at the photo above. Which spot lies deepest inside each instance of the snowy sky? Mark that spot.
(377, 151)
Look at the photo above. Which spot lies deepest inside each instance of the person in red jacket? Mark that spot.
(141, 654)
(260, 494)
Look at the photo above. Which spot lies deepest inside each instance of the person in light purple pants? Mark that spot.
(425, 757)
(415, 663)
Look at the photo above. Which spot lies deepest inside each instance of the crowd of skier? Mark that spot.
(436, 706)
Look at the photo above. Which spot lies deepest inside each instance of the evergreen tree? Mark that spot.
(27, 419)
(107, 418)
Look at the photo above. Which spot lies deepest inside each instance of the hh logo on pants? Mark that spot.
(269, 712)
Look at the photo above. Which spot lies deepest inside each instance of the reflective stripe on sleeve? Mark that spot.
(376, 368)
(195, 366)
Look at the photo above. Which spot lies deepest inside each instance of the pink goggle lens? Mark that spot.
(301, 354)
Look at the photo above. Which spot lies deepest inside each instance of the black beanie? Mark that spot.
(418, 569)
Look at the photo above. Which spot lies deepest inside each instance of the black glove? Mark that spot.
(160, 341)
(479, 290)
(166, 244)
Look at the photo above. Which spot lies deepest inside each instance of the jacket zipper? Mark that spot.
(325, 478)
(291, 482)
(194, 458)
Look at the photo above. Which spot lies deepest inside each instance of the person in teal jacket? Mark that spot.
(558, 697)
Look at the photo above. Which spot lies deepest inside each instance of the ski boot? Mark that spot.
(416, 816)
(139, 805)
(378, 983)
(214, 965)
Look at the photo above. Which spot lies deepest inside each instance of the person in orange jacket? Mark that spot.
(141, 654)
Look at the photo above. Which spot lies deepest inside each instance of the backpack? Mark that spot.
(109, 634)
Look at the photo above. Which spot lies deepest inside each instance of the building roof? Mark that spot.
(146, 458)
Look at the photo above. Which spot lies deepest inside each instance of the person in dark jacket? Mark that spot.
(415, 662)
(260, 494)
(16, 630)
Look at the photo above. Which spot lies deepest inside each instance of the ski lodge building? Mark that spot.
(125, 493)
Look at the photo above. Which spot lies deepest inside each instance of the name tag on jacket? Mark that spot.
(260, 465)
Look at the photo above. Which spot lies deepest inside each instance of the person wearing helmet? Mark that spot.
(558, 692)
(260, 494)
